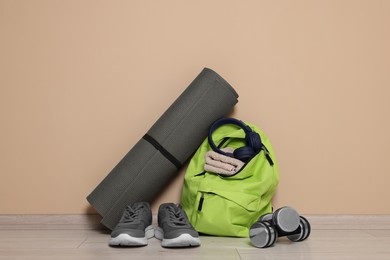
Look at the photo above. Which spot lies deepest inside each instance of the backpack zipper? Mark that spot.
(200, 174)
(200, 205)
(268, 156)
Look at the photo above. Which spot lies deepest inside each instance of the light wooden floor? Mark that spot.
(79, 237)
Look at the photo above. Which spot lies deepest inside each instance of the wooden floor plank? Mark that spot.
(74, 237)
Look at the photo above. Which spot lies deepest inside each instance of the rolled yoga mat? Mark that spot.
(156, 158)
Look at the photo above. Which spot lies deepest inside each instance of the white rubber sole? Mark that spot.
(127, 240)
(184, 240)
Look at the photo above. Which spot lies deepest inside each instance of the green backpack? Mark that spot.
(228, 205)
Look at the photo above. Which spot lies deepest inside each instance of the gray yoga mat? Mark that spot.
(156, 158)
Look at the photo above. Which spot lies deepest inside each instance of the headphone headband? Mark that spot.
(230, 121)
(249, 134)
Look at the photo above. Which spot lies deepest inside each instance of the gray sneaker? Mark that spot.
(135, 226)
(174, 228)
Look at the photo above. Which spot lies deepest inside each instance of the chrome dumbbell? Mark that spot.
(263, 234)
(283, 222)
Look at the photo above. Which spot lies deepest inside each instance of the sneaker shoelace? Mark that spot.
(132, 214)
(177, 216)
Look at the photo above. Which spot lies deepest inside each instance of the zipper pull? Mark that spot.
(267, 155)
(201, 201)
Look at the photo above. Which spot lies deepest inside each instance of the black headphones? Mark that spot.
(252, 140)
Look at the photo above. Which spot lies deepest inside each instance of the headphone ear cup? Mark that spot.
(243, 153)
(253, 140)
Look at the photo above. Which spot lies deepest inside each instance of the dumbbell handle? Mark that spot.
(282, 233)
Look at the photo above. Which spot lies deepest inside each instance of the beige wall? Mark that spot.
(82, 81)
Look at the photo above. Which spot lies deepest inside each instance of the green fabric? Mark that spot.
(229, 205)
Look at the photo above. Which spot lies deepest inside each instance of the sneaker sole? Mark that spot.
(127, 240)
(184, 240)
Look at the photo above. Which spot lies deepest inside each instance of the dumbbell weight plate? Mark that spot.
(260, 235)
(266, 217)
(287, 219)
(299, 236)
(274, 233)
(305, 223)
(305, 231)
